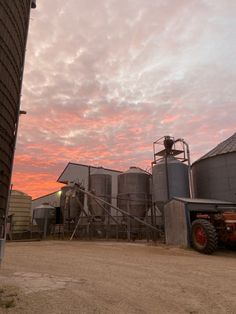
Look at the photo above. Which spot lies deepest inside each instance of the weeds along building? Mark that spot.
(14, 23)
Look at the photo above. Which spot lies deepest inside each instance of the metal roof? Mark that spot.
(227, 146)
(43, 196)
(77, 165)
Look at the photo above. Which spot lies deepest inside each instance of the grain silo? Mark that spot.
(14, 22)
(171, 174)
(134, 195)
(20, 211)
(44, 216)
(214, 174)
(178, 181)
(100, 185)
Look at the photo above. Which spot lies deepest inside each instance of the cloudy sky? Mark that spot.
(105, 78)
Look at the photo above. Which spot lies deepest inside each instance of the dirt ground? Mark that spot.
(109, 277)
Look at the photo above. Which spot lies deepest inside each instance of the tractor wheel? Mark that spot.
(204, 237)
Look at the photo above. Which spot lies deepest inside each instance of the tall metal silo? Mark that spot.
(100, 185)
(134, 194)
(178, 181)
(170, 173)
(20, 209)
(14, 22)
(214, 174)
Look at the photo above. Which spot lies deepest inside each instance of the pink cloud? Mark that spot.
(100, 92)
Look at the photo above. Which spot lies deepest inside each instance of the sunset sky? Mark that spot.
(105, 78)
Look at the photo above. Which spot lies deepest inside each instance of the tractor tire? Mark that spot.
(204, 236)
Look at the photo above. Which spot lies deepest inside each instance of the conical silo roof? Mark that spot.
(227, 146)
(45, 206)
(136, 170)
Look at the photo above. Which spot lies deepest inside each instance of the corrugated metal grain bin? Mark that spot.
(44, 216)
(178, 181)
(20, 208)
(101, 186)
(134, 191)
(14, 21)
(214, 174)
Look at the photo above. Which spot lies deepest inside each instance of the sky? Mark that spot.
(105, 78)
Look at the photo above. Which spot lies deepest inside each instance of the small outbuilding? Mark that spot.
(180, 212)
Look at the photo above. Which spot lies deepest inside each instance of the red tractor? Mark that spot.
(212, 229)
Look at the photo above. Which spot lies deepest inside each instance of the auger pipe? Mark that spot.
(120, 210)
